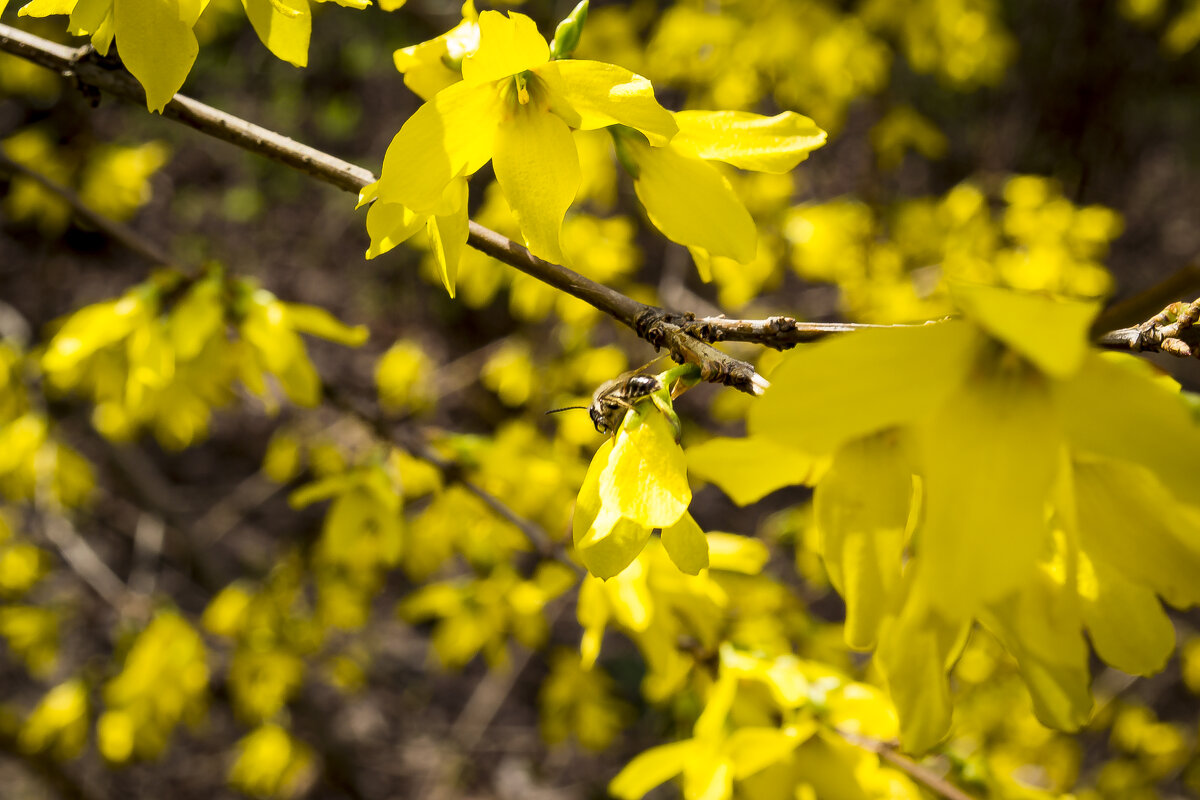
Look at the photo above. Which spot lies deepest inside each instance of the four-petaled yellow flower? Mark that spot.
(516, 108)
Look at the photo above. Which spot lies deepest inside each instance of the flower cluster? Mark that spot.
(515, 101)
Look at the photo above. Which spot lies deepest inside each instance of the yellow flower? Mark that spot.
(1055, 492)
(688, 199)
(516, 108)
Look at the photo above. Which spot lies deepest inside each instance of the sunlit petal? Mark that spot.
(449, 136)
(538, 169)
(605, 94)
(448, 233)
(507, 45)
(389, 224)
(748, 141)
(692, 203)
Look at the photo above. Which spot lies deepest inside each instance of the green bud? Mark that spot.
(566, 35)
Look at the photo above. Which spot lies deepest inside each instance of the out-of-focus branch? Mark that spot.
(451, 472)
(921, 774)
(115, 230)
(88, 565)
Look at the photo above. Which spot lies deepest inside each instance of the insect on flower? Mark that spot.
(615, 397)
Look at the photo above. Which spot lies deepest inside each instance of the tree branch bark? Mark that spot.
(688, 338)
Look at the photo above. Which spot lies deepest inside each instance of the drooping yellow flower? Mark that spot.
(688, 199)
(1055, 484)
(516, 108)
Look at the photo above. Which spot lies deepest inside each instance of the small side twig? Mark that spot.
(1172, 331)
(88, 565)
(147, 550)
(450, 471)
(113, 229)
(778, 332)
(919, 773)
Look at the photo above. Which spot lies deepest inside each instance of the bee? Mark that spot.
(614, 398)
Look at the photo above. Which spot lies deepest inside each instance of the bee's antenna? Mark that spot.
(566, 408)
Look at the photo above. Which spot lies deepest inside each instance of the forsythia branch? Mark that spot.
(687, 338)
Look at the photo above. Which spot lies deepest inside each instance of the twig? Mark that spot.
(115, 230)
(1172, 331)
(89, 70)
(52, 772)
(450, 471)
(778, 332)
(485, 703)
(687, 338)
(90, 567)
(147, 549)
(921, 774)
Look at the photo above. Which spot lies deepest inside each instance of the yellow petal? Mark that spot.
(1112, 407)
(645, 479)
(592, 612)
(1125, 621)
(1050, 332)
(87, 16)
(750, 750)
(1129, 522)
(734, 553)
(749, 469)
(389, 224)
(283, 26)
(861, 508)
(448, 137)
(989, 457)
(537, 166)
(748, 141)
(425, 71)
(824, 394)
(686, 545)
(653, 767)
(46, 8)
(692, 203)
(604, 94)
(316, 321)
(708, 778)
(1040, 626)
(610, 544)
(156, 45)
(448, 235)
(507, 45)
(915, 651)
(606, 542)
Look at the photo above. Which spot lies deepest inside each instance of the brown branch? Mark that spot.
(779, 332)
(115, 230)
(90, 568)
(89, 70)
(386, 431)
(687, 338)
(1172, 331)
(918, 772)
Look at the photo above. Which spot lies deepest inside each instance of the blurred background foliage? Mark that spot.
(219, 576)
